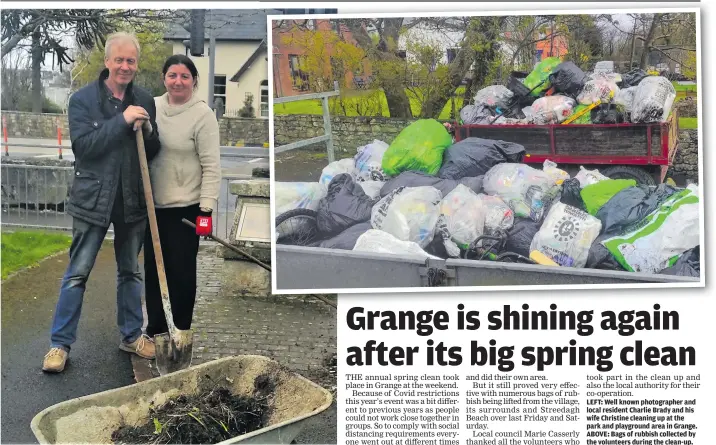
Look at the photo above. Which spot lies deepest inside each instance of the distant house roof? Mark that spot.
(228, 24)
(261, 49)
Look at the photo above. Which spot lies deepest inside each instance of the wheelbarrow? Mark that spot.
(93, 418)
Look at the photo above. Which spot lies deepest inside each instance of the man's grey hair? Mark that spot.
(120, 37)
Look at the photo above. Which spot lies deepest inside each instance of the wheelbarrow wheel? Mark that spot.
(297, 227)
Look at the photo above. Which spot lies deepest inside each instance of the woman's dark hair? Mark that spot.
(181, 59)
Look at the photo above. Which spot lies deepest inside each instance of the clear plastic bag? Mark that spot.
(475, 114)
(625, 98)
(408, 213)
(336, 168)
(464, 219)
(566, 235)
(498, 215)
(653, 100)
(589, 177)
(298, 195)
(494, 96)
(556, 175)
(523, 188)
(551, 109)
(379, 241)
(600, 88)
(372, 188)
(369, 160)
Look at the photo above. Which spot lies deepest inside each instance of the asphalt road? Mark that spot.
(96, 364)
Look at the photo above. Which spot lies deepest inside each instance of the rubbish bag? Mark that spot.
(601, 258)
(556, 175)
(606, 114)
(653, 100)
(463, 214)
(336, 168)
(494, 96)
(587, 177)
(475, 156)
(499, 217)
(476, 114)
(631, 205)
(633, 77)
(585, 118)
(552, 109)
(571, 194)
(688, 264)
(597, 89)
(344, 205)
(657, 241)
(568, 79)
(566, 235)
(520, 236)
(596, 195)
(369, 160)
(523, 188)
(378, 241)
(625, 99)
(346, 240)
(298, 195)
(372, 188)
(540, 75)
(419, 146)
(604, 67)
(408, 213)
(420, 179)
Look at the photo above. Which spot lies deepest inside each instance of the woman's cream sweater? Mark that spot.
(187, 169)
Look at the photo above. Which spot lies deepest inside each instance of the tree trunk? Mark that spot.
(36, 73)
(648, 40)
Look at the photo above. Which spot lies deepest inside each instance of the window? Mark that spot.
(264, 98)
(219, 88)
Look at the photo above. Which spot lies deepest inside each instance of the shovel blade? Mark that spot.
(173, 354)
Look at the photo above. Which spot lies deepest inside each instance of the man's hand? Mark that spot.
(137, 116)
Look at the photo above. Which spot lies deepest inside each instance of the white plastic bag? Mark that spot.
(498, 215)
(625, 98)
(494, 96)
(654, 243)
(551, 109)
(653, 100)
(522, 187)
(336, 168)
(408, 213)
(372, 188)
(556, 175)
(463, 214)
(298, 195)
(599, 88)
(369, 160)
(378, 241)
(588, 177)
(566, 235)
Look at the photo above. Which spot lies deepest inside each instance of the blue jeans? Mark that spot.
(86, 241)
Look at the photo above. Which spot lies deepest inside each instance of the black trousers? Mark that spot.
(180, 245)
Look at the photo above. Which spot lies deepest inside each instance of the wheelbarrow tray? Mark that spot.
(93, 418)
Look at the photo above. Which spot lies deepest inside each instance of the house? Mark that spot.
(241, 60)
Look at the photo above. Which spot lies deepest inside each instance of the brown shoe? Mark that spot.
(143, 347)
(55, 360)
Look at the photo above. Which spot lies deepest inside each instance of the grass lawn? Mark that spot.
(314, 106)
(23, 249)
(688, 123)
(679, 87)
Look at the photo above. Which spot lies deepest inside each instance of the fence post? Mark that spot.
(4, 135)
(59, 136)
(327, 126)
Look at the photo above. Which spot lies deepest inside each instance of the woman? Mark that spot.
(186, 176)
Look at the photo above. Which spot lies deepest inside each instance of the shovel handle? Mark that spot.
(154, 229)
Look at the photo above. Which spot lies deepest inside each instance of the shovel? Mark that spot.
(174, 349)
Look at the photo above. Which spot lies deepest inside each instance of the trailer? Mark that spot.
(642, 152)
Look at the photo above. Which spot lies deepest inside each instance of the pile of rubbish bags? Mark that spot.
(475, 199)
(557, 92)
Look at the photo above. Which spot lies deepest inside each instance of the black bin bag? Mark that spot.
(344, 205)
(688, 264)
(568, 79)
(519, 237)
(346, 240)
(475, 156)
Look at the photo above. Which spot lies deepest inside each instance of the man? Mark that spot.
(107, 188)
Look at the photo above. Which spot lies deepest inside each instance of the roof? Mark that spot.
(261, 49)
(229, 24)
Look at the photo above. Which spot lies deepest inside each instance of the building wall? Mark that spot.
(230, 56)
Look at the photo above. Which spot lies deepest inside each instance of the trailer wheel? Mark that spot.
(297, 227)
(641, 176)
